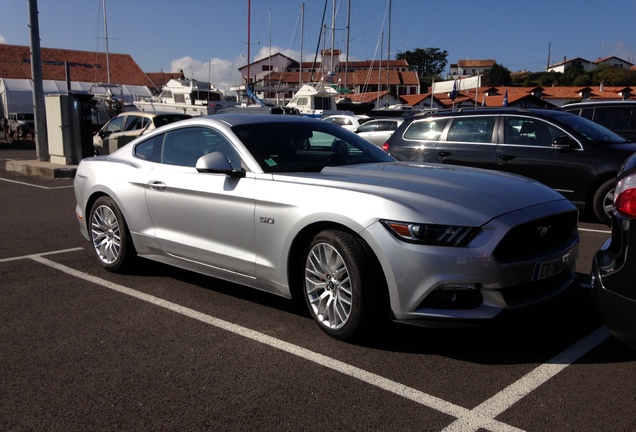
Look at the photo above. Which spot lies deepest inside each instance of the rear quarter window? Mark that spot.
(472, 129)
(425, 130)
(615, 118)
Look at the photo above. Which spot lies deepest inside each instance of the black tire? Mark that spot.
(603, 202)
(110, 236)
(338, 285)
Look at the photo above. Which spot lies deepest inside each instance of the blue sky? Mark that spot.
(208, 38)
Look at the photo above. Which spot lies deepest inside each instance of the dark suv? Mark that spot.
(573, 155)
(619, 116)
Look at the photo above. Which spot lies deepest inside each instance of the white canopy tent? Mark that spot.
(16, 95)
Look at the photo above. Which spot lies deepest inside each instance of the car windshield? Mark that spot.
(306, 147)
(591, 130)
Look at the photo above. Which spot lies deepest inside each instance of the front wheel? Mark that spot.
(110, 236)
(338, 288)
(603, 202)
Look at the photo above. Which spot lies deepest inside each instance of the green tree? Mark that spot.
(609, 75)
(428, 62)
(496, 76)
(549, 79)
(571, 75)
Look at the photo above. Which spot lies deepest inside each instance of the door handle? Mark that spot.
(444, 153)
(506, 158)
(157, 185)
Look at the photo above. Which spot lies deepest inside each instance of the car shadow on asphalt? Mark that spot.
(518, 336)
(530, 335)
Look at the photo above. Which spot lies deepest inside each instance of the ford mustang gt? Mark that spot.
(300, 207)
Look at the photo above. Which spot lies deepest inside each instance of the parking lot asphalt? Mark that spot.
(164, 349)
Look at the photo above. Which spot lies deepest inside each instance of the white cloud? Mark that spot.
(3, 40)
(219, 72)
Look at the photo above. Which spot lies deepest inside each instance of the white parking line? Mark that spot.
(34, 185)
(481, 417)
(34, 256)
(595, 230)
(522, 387)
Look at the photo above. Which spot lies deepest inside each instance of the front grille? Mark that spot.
(537, 238)
(532, 292)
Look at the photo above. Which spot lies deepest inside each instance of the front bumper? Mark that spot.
(422, 279)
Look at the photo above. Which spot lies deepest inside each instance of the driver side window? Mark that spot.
(185, 146)
(115, 125)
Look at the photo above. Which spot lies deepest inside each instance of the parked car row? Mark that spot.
(411, 232)
(573, 155)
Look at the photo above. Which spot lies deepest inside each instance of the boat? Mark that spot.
(359, 108)
(316, 100)
(186, 95)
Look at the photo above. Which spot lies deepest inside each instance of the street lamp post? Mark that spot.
(39, 111)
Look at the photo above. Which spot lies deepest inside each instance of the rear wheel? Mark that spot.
(603, 202)
(110, 236)
(338, 288)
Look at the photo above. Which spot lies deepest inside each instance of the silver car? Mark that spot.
(300, 207)
(349, 122)
(125, 127)
(379, 130)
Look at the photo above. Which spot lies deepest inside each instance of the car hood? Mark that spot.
(443, 193)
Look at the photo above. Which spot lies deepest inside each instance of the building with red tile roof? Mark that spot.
(84, 66)
(280, 76)
(527, 97)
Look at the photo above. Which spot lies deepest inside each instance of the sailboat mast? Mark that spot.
(347, 45)
(249, 8)
(380, 67)
(302, 34)
(106, 41)
(388, 57)
(333, 31)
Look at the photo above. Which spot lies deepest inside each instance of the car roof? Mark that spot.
(538, 112)
(233, 119)
(552, 114)
(152, 114)
(599, 103)
(358, 116)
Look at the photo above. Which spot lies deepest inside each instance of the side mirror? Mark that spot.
(217, 163)
(563, 142)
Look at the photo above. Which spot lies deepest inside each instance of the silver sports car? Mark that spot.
(300, 207)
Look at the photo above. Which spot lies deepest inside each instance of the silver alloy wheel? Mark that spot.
(328, 286)
(106, 235)
(608, 204)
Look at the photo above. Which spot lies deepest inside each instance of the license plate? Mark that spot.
(545, 269)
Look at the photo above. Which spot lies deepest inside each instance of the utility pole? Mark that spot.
(388, 60)
(39, 110)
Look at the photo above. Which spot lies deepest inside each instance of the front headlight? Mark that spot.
(432, 234)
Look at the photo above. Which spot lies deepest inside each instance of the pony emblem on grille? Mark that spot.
(542, 231)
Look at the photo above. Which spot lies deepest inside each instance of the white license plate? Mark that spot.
(546, 269)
